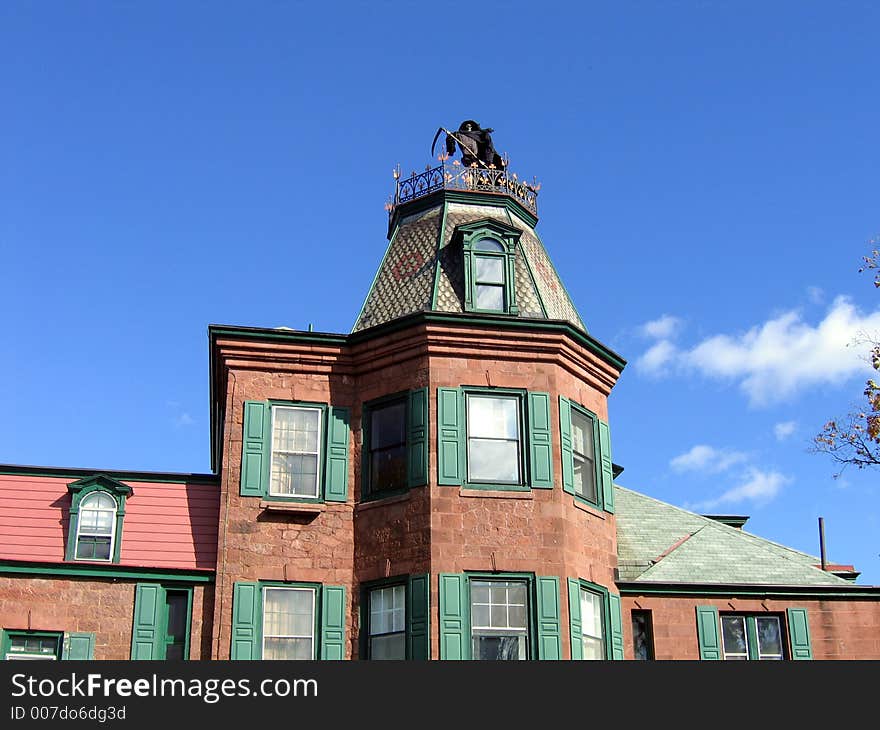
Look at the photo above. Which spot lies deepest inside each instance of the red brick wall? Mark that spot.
(840, 628)
(102, 607)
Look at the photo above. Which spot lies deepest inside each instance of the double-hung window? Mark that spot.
(32, 645)
(294, 451)
(395, 444)
(97, 511)
(594, 614)
(273, 620)
(592, 624)
(499, 619)
(586, 455)
(493, 438)
(288, 623)
(395, 618)
(737, 636)
(489, 261)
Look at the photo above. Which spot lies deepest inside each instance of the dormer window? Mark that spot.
(489, 256)
(96, 528)
(97, 509)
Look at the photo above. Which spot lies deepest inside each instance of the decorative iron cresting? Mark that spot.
(454, 176)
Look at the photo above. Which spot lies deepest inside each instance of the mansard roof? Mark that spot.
(422, 270)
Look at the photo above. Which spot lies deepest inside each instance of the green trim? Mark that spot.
(597, 456)
(8, 634)
(107, 570)
(489, 321)
(440, 239)
(531, 610)
(365, 589)
(129, 476)
(508, 237)
(316, 618)
(524, 461)
(366, 412)
(751, 591)
(603, 594)
(80, 490)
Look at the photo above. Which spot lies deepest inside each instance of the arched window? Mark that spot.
(97, 509)
(96, 528)
(489, 261)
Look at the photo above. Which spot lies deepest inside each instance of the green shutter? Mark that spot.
(616, 622)
(449, 434)
(254, 447)
(799, 634)
(565, 441)
(707, 632)
(246, 620)
(574, 619)
(147, 633)
(417, 438)
(78, 646)
(540, 445)
(454, 610)
(418, 634)
(607, 474)
(336, 463)
(333, 622)
(549, 633)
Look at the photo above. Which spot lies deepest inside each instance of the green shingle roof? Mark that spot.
(660, 543)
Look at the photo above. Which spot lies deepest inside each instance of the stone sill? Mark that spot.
(589, 509)
(302, 508)
(382, 502)
(495, 493)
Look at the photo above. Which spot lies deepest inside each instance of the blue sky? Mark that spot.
(709, 185)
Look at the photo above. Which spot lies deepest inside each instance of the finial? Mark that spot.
(396, 172)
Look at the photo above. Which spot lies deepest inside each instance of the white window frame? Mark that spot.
(599, 601)
(81, 533)
(592, 435)
(265, 636)
(317, 454)
(372, 633)
(520, 466)
(497, 631)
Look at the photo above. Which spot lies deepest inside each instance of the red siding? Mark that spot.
(167, 524)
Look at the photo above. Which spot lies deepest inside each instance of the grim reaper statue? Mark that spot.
(474, 143)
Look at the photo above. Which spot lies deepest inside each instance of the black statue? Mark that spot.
(475, 145)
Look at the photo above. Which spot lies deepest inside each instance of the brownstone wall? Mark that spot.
(102, 607)
(840, 628)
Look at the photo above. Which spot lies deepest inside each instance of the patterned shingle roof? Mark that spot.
(660, 543)
(424, 255)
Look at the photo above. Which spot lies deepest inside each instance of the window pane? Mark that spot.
(581, 434)
(388, 425)
(288, 623)
(733, 633)
(769, 639)
(593, 648)
(93, 548)
(493, 648)
(490, 297)
(488, 244)
(391, 646)
(387, 610)
(591, 614)
(279, 648)
(585, 479)
(98, 500)
(489, 270)
(295, 429)
(493, 461)
(490, 417)
(294, 474)
(388, 468)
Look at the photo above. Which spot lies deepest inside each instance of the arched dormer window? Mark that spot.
(489, 258)
(97, 510)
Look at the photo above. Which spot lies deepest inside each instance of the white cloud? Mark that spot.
(756, 486)
(184, 419)
(784, 430)
(662, 328)
(815, 294)
(774, 360)
(707, 459)
(657, 360)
